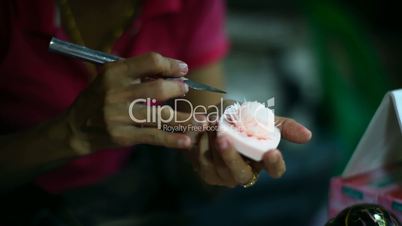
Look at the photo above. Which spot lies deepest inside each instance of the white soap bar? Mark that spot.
(250, 128)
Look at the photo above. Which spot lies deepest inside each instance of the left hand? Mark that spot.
(218, 163)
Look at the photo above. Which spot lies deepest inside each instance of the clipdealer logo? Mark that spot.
(164, 115)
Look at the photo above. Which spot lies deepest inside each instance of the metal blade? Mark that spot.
(203, 87)
(98, 57)
(80, 52)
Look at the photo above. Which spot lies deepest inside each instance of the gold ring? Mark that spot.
(252, 181)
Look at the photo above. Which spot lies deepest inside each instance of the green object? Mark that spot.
(353, 79)
(397, 206)
(353, 193)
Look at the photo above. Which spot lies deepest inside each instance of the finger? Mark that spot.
(150, 64)
(141, 116)
(240, 170)
(292, 130)
(222, 171)
(205, 163)
(220, 166)
(129, 135)
(274, 163)
(159, 89)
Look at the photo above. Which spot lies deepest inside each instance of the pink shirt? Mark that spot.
(36, 85)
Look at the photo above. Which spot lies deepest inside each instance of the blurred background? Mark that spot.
(327, 64)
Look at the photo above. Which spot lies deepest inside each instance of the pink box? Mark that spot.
(374, 172)
(363, 188)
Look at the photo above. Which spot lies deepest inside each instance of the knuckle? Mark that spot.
(159, 84)
(155, 59)
(162, 91)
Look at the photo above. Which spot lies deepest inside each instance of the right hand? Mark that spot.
(219, 163)
(100, 116)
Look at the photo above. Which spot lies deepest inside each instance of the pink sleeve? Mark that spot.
(205, 40)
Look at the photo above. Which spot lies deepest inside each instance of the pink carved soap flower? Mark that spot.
(250, 128)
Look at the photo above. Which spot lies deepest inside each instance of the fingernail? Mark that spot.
(223, 144)
(183, 67)
(186, 88)
(309, 134)
(184, 142)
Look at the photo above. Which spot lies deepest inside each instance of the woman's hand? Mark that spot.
(100, 116)
(218, 163)
(98, 119)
